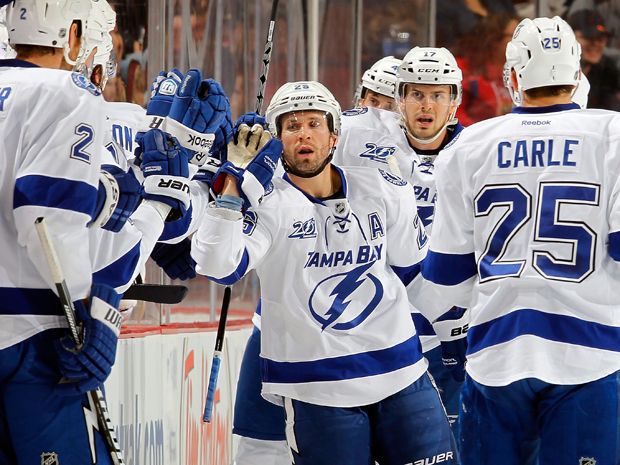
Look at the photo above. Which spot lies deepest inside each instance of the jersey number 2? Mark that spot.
(78, 149)
(551, 227)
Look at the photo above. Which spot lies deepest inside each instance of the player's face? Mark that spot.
(427, 108)
(375, 100)
(307, 141)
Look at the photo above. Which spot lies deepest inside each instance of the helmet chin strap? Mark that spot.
(302, 174)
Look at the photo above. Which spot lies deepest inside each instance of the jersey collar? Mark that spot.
(313, 199)
(14, 63)
(548, 109)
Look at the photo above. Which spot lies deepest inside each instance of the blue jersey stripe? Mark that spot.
(448, 269)
(406, 273)
(345, 367)
(613, 247)
(422, 325)
(45, 191)
(119, 272)
(23, 301)
(553, 327)
(235, 275)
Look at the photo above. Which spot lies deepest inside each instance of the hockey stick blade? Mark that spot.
(158, 293)
(217, 354)
(95, 397)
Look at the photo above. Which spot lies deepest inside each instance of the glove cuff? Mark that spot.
(164, 187)
(192, 140)
(108, 197)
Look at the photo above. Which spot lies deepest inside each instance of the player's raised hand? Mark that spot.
(200, 119)
(251, 118)
(88, 365)
(248, 141)
(163, 90)
(164, 164)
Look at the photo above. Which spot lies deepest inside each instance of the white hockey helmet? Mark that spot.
(430, 65)
(381, 76)
(45, 22)
(543, 52)
(300, 96)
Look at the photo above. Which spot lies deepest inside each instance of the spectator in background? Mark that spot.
(600, 69)
(484, 94)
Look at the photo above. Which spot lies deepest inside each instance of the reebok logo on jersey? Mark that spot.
(535, 123)
(444, 457)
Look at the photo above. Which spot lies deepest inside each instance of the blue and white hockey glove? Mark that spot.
(164, 164)
(175, 259)
(119, 195)
(200, 119)
(252, 161)
(451, 328)
(163, 90)
(87, 366)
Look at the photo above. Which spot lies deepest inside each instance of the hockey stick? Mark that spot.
(219, 339)
(158, 293)
(95, 397)
(217, 354)
(262, 80)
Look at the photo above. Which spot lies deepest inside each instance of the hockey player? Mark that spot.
(378, 84)
(51, 128)
(526, 233)
(408, 143)
(339, 348)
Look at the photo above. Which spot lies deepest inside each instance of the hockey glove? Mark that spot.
(163, 90)
(88, 365)
(252, 171)
(451, 328)
(164, 164)
(175, 259)
(200, 119)
(119, 195)
(249, 119)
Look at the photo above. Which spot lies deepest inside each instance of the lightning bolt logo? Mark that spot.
(350, 282)
(90, 418)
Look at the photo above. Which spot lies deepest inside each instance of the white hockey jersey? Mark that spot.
(336, 328)
(527, 234)
(118, 257)
(368, 137)
(51, 126)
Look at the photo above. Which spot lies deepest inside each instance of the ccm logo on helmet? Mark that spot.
(428, 70)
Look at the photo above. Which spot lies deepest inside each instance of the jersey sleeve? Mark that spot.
(228, 245)
(407, 242)
(613, 245)
(449, 270)
(175, 231)
(57, 178)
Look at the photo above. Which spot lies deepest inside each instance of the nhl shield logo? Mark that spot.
(340, 208)
(49, 458)
(587, 461)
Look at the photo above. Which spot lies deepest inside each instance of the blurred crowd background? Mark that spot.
(334, 41)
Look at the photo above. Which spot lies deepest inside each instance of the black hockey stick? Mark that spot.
(95, 397)
(217, 356)
(262, 80)
(221, 328)
(158, 293)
